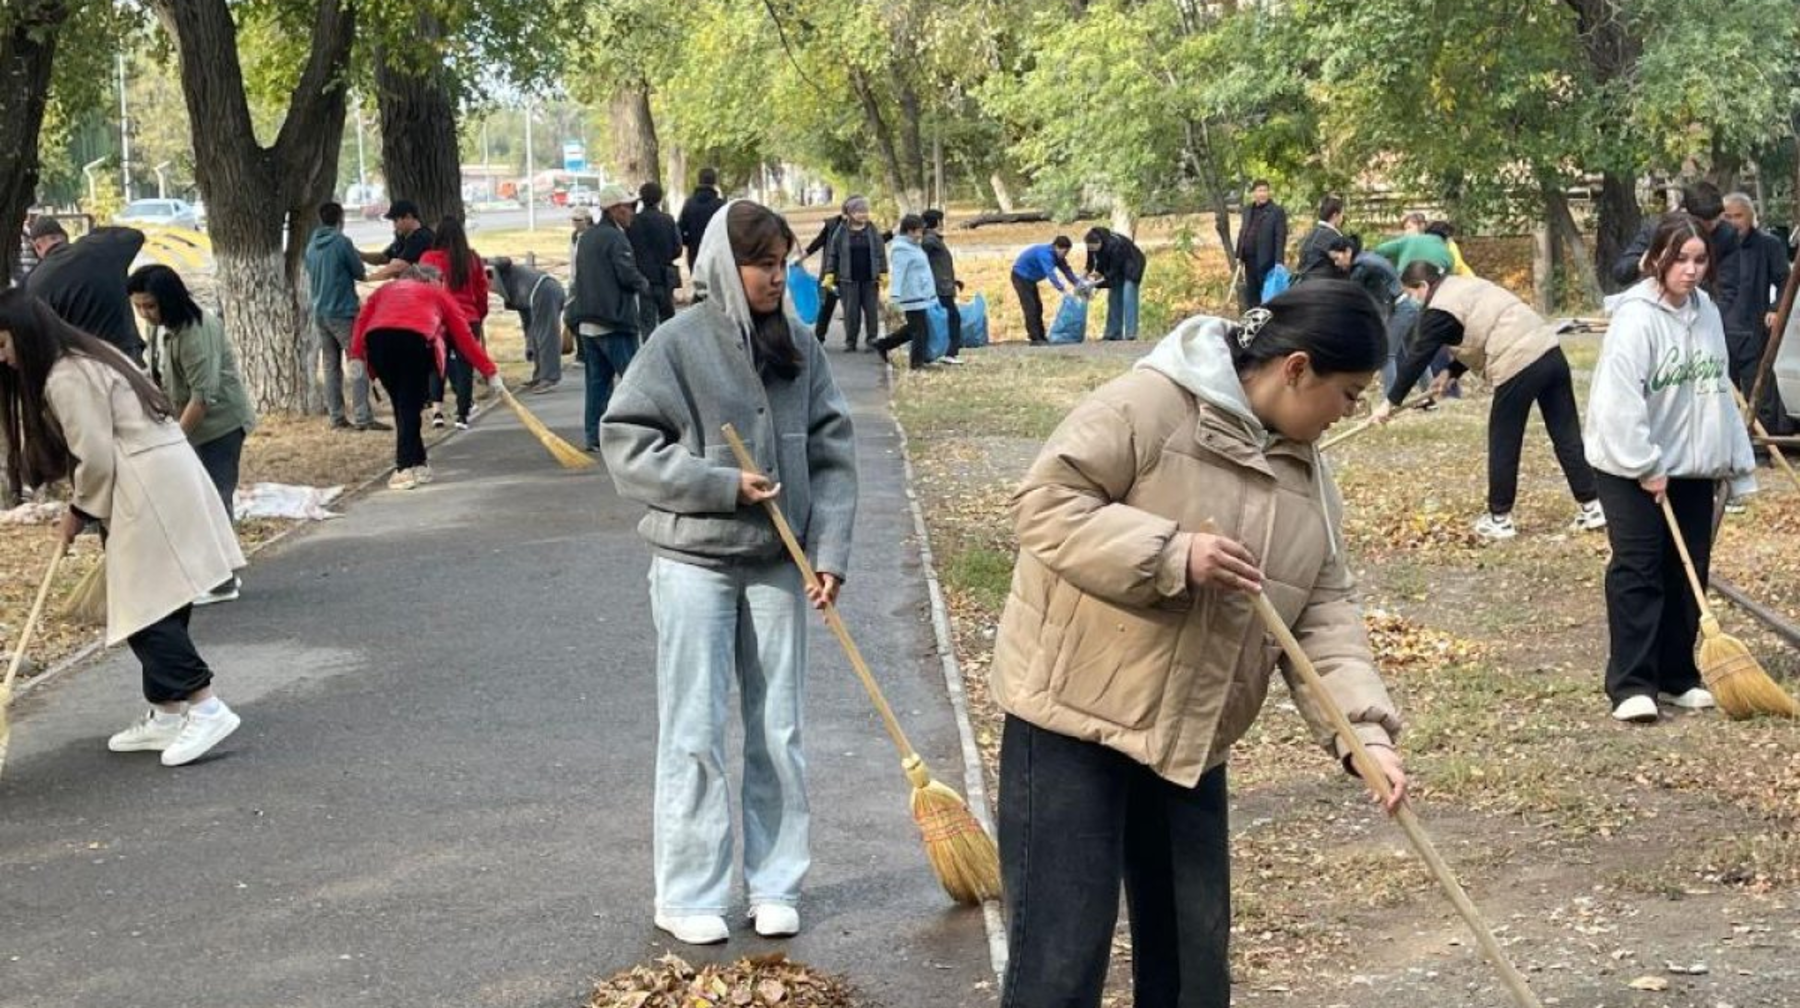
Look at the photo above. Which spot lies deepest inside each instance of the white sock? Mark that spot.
(208, 707)
(165, 718)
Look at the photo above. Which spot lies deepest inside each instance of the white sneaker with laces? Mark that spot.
(153, 732)
(775, 920)
(199, 733)
(695, 929)
(1589, 517)
(437, 418)
(1694, 699)
(1495, 527)
(227, 592)
(951, 360)
(421, 474)
(1639, 709)
(402, 479)
(462, 425)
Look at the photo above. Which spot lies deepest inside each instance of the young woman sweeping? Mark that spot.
(76, 408)
(728, 603)
(1489, 330)
(465, 279)
(1662, 425)
(1129, 659)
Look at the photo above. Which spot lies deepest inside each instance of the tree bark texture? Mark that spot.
(1564, 232)
(635, 157)
(418, 125)
(882, 137)
(251, 190)
(677, 175)
(1612, 52)
(1543, 266)
(1616, 224)
(27, 51)
(1002, 194)
(912, 147)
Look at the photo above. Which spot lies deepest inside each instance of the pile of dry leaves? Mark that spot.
(1400, 645)
(752, 982)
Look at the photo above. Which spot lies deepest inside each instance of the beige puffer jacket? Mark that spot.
(1103, 640)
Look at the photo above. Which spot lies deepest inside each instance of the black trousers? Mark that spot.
(862, 309)
(1076, 819)
(1547, 383)
(1250, 295)
(462, 375)
(955, 313)
(221, 458)
(1032, 305)
(828, 302)
(917, 333)
(1651, 616)
(173, 670)
(403, 361)
(1746, 350)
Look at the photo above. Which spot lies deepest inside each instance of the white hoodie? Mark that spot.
(1661, 403)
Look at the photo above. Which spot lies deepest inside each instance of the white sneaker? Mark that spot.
(421, 474)
(1589, 517)
(695, 929)
(951, 360)
(153, 732)
(402, 479)
(1495, 527)
(1694, 699)
(775, 920)
(1735, 505)
(437, 418)
(227, 592)
(462, 425)
(199, 733)
(1640, 709)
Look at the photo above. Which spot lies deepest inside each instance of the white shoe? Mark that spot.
(153, 732)
(402, 479)
(951, 360)
(1640, 709)
(421, 474)
(1694, 699)
(227, 592)
(775, 920)
(1734, 505)
(437, 418)
(1589, 517)
(695, 929)
(462, 425)
(199, 733)
(1495, 527)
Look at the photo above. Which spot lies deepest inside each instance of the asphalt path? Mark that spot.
(441, 791)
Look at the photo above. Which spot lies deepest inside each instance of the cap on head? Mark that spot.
(612, 194)
(402, 208)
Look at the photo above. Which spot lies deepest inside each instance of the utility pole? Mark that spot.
(530, 177)
(362, 168)
(124, 131)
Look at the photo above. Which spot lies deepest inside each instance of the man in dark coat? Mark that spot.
(84, 281)
(1315, 249)
(603, 306)
(1262, 241)
(828, 300)
(943, 277)
(697, 212)
(656, 243)
(1747, 300)
(1116, 265)
(1701, 199)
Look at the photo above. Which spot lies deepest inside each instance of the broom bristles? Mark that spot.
(961, 853)
(87, 600)
(1737, 680)
(566, 454)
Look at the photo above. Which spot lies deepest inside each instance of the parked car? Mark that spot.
(580, 195)
(163, 212)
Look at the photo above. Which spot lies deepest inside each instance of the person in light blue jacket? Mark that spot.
(912, 290)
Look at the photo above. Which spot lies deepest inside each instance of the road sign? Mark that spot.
(574, 156)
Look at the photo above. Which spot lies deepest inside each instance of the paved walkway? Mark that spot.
(440, 795)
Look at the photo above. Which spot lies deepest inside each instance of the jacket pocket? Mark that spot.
(1115, 663)
(795, 473)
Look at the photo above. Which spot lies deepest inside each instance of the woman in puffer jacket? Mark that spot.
(1129, 659)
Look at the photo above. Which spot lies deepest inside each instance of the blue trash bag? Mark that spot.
(1275, 282)
(974, 322)
(937, 331)
(1071, 321)
(803, 289)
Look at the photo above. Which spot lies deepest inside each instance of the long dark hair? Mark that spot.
(165, 287)
(757, 233)
(1672, 232)
(453, 241)
(1333, 322)
(36, 450)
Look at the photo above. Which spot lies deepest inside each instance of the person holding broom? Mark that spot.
(728, 603)
(1129, 658)
(1662, 426)
(74, 407)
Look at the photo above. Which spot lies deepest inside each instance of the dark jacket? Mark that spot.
(1723, 242)
(837, 254)
(823, 238)
(607, 281)
(1760, 263)
(656, 242)
(517, 283)
(332, 269)
(1378, 278)
(696, 213)
(84, 282)
(1314, 258)
(1118, 261)
(943, 264)
(1263, 241)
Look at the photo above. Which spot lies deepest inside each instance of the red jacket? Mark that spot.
(423, 308)
(471, 297)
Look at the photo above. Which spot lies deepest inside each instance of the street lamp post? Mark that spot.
(530, 176)
(124, 132)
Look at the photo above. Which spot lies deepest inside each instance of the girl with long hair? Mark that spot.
(465, 279)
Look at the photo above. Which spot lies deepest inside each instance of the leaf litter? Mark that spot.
(770, 981)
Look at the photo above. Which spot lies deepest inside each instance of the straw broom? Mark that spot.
(18, 658)
(961, 853)
(86, 603)
(1731, 672)
(1415, 832)
(566, 454)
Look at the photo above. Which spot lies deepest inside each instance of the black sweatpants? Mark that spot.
(462, 374)
(917, 333)
(1076, 819)
(1651, 616)
(862, 308)
(955, 313)
(173, 670)
(221, 458)
(403, 361)
(1746, 350)
(1032, 305)
(1548, 383)
(828, 302)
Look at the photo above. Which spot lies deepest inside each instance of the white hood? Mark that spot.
(1195, 357)
(716, 271)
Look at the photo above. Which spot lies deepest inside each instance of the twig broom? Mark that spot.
(1732, 673)
(19, 645)
(566, 454)
(86, 603)
(961, 853)
(1415, 832)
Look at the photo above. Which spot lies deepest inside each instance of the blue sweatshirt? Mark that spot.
(1039, 262)
(332, 269)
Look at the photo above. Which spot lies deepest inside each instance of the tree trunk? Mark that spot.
(27, 49)
(1543, 266)
(677, 185)
(1612, 52)
(1562, 225)
(418, 125)
(251, 189)
(1124, 218)
(1616, 225)
(1002, 195)
(883, 138)
(635, 159)
(912, 146)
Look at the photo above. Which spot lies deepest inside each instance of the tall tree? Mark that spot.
(28, 33)
(415, 93)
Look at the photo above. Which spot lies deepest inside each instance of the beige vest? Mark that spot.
(1502, 336)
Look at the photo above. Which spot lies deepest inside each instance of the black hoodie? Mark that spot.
(696, 213)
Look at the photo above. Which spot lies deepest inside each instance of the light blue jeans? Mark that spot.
(714, 625)
(1122, 311)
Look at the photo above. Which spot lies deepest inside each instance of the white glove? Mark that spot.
(497, 383)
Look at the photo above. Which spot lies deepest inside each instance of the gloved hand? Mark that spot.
(829, 282)
(497, 383)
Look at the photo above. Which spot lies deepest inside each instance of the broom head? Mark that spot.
(1736, 679)
(566, 454)
(86, 603)
(961, 853)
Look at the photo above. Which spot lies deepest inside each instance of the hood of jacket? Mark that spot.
(332, 268)
(1195, 357)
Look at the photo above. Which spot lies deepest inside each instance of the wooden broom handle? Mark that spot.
(1756, 425)
(1338, 439)
(832, 619)
(1372, 772)
(1687, 562)
(37, 610)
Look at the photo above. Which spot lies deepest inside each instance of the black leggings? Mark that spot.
(1650, 611)
(173, 670)
(403, 361)
(1546, 382)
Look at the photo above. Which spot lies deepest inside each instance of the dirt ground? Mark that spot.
(1603, 855)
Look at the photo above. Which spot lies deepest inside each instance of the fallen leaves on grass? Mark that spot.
(1401, 646)
(771, 981)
